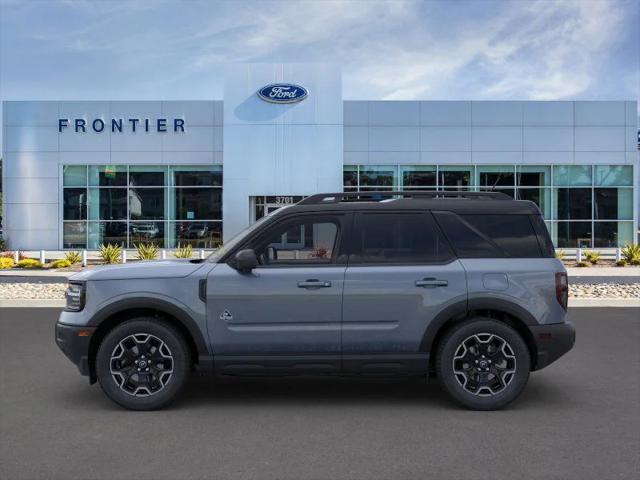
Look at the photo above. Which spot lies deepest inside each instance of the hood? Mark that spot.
(142, 270)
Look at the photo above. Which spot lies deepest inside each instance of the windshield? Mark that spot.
(230, 244)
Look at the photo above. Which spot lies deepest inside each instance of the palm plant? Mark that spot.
(184, 251)
(146, 251)
(73, 257)
(110, 253)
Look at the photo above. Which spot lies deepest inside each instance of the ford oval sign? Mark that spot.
(283, 93)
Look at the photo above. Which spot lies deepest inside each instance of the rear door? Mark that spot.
(401, 274)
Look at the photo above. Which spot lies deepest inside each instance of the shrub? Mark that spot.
(110, 253)
(146, 251)
(592, 256)
(73, 257)
(621, 263)
(560, 254)
(29, 263)
(6, 263)
(631, 253)
(9, 254)
(3, 244)
(61, 263)
(185, 251)
(582, 264)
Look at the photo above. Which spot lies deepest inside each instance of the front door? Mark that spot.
(286, 313)
(401, 274)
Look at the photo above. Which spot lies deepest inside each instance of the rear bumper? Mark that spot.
(552, 341)
(74, 343)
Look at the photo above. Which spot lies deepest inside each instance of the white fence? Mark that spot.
(88, 255)
(44, 256)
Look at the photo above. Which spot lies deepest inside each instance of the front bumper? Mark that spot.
(552, 341)
(74, 342)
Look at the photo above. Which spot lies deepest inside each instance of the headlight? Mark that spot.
(75, 297)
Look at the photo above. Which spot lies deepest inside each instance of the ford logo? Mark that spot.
(283, 93)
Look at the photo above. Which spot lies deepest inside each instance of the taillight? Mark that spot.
(562, 289)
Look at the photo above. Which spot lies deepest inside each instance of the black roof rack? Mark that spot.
(378, 195)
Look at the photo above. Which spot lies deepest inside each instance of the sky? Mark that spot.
(394, 50)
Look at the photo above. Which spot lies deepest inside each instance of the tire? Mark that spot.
(140, 381)
(483, 364)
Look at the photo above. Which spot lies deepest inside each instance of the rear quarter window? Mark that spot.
(490, 235)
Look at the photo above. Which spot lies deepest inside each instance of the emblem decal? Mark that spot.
(283, 93)
(226, 316)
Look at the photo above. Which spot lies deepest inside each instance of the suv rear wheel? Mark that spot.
(483, 364)
(142, 364)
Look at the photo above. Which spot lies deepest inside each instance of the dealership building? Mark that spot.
(80, 173)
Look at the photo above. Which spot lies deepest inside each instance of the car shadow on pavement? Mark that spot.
(250, 392)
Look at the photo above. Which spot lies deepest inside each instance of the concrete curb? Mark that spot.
(31, 303)
(604, 302)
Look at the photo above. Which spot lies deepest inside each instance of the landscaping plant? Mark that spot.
(110, 253)
(631, 253)
(621, 263)
(146, 251)
(6, 262)
(9, 254)
(582, 264)
(73, 257)
(185, 251)
(560, 254)
(60, 263)
(29, 263)
(592, 256)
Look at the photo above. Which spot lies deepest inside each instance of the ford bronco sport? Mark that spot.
(460, 285)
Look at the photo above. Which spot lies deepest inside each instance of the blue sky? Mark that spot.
(466, 49)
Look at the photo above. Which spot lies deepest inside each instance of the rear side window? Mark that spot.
(398, 238)
(486, 236)
(544, 239)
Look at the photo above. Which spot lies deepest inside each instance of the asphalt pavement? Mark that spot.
(579, 418)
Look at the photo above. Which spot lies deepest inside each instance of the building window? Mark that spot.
(127, 205)
(589, 206)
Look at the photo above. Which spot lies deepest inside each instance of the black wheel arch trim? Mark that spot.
(461, 309)
(503, 305)
(157, 304)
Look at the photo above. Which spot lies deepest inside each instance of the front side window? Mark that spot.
(307, 240)
(398, 238)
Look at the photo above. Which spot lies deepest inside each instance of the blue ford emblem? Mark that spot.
(283, 93)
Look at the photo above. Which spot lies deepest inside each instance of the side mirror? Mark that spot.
(245, 261)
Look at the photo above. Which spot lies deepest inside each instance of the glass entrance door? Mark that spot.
(265, 204)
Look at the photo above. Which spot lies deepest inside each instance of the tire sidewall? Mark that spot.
(448, 347)
(175, 343)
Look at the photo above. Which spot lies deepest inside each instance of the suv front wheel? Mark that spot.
(142, 364)
(483, 364)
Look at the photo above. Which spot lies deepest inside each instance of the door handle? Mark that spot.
(313, 283)
(431, 283)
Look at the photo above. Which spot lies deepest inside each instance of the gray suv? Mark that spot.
(463, 286)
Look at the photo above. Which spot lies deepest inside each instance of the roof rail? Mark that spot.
(378, 195)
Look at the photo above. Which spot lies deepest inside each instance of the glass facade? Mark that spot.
(132, 204)
(588, 206)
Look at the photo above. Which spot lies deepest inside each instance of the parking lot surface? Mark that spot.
(579, 418)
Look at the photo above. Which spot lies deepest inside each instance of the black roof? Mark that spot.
(457, 202)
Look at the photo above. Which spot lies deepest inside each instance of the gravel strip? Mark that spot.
(605, 290)
(23, 290)
(53, 291)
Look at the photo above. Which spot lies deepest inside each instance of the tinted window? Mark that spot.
(467, 242)
(398, 238)
(544, 239)
(491, 235)
(512, 233)
(302, 241)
